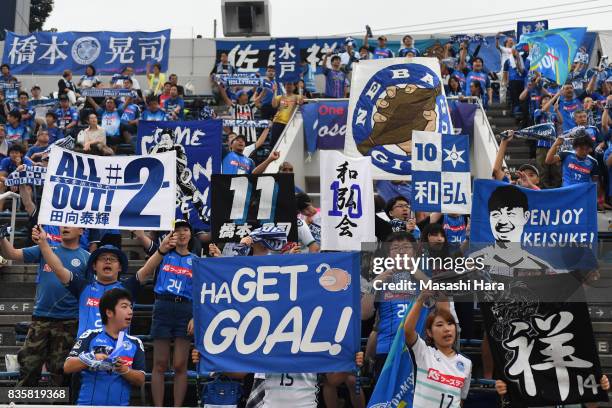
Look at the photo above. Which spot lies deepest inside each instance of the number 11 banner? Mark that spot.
(347, 207)
(244, 202)
(441, 173)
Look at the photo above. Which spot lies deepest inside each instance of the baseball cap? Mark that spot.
(181, 223)
(529, 167)
(382, 37)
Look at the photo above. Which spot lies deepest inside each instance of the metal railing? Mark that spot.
(15, 200)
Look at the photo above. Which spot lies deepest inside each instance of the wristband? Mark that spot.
(161, 253)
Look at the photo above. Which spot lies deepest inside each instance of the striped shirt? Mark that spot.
(244, 112)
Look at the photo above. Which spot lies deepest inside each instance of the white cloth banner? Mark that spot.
(109, 192)
(347, 208)
(390, 98)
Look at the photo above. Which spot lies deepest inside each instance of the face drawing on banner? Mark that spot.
(508, 213)
(333, 279)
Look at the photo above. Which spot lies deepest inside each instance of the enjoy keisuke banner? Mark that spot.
(389, 99)
(109, 192)
(48, 53)
(279, 313)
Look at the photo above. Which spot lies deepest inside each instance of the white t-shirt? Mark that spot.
(440, 380)
(296, 390)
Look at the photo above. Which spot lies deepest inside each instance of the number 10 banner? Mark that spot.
(116, 192)
(441, 173)
(244, 202)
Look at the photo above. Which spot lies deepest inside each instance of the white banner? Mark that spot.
(109, 192)
(347, 207)
(390, 98)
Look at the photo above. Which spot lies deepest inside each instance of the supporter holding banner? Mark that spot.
(45, 52)
(552, 52)
(287, 59)
(198, 155)
(389, 99)
(297, 313)
(347, 208)
(242, 203)
(526, 27)
(109, 192)
(325, 124)
(441, 173)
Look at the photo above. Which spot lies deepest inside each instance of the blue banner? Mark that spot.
(557, 218)
(279, 313)
(198, 156)
(526, 27)
(109, 51)
(325, 124)
(287, 61)
(462, 116)
(552, 52)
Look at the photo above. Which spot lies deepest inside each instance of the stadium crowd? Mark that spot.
(65, 334)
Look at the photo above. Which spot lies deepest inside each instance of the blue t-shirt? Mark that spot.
(335, 82)
(27, 110)
(129, 112)
(55, 133)
(404, 51)
(567, 109)
(576, 170)
(269, 95)
(391, 313)
(66, 117)
(17, 134)
(156, 116)
(378, 53)
(175, 275)
(171, 103)
(9, 166)
(55, 238)
(89, 294)
(235, 163)
(35, 149)
(103, 388)
(535, 99)
(52, 298)
(481, 77)
(513, 73)
(110, 122)
(460, 77)
(454, 228)
(539, 117)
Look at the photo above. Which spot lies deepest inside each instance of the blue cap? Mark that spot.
(103, 250)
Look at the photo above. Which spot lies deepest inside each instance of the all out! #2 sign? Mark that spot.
(278, 313)
(118, 192)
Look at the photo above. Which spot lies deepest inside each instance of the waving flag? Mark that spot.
(552, 51)
(395, 385)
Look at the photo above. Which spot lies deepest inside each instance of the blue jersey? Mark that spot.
(55, 133)
(269, 95)
(35, 149)
(460, 77)
(153, 116)
(404, 51)
(110, 122)
(171, 104)
(576, 170)
(539, 117)
(567, 109)
(101, 387)
(17, 134)
(481, 77)
(66, 117)
(513, 73)
(89, 294)
(54, 236)
(378, 53)
(27, 110)
(335, 82)
(454, 228)
(129, 113)
(235, 163)
(535, 99)
(9, 166)
(174, 275)
(52, 298)
(390, 315)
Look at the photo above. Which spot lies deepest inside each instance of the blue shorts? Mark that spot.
(170, 319)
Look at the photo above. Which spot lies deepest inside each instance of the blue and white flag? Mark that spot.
(32, 175)
(109, 192)
(325, 124)
(107, 92)
(260, 124)
(46, 52)
(391, 98)
(278, 313)
(441, 173)
(526, 27)
(395, 385)
(198, 152)
(287, 61)
(552, 52)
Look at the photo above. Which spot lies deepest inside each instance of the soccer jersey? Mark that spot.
(66, 117)
(156, 116)
(378, 53)
(296, 390)
(52, 298)
(89, 294)
(129, 113)
(236, 163)
(404, 52)
(171, 104)
(244, 112)
(454, 228)
(16, 134)
(110, 121)
(391, 312)
(481, 77)
(567, 109)
(55, 238)
(440, 380)
(101, 387)
(576, 170)
(335, 82)
(174, 275)
(9, 166)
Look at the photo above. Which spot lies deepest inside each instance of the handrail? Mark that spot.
(284, 132)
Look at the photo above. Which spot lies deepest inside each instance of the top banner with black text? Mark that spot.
(256, 200)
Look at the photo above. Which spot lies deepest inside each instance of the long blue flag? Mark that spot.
(552, 51)
(395, 385)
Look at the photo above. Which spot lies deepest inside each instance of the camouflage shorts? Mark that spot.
(47, 342)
